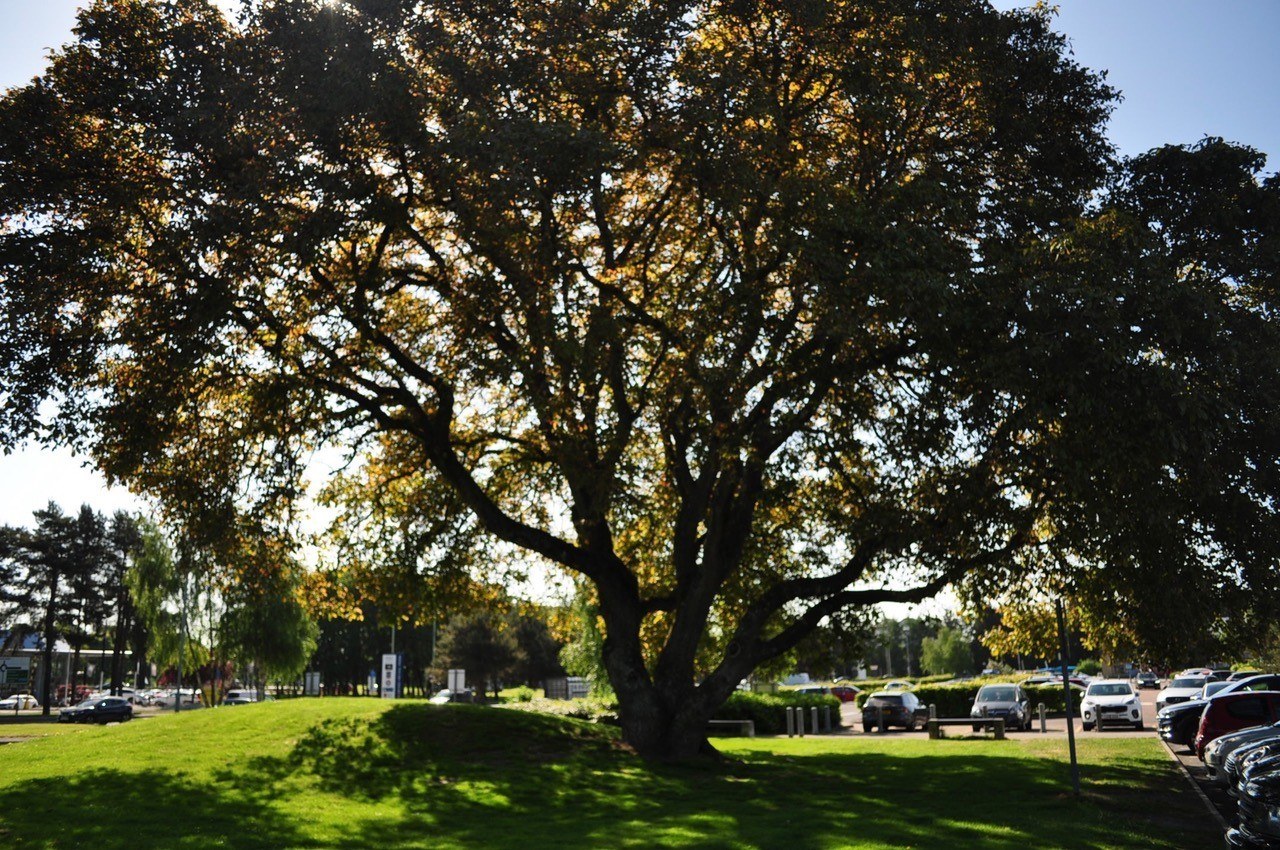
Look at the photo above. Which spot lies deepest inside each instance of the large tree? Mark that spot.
(744, 312)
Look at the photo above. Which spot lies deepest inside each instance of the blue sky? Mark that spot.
(1187, 69)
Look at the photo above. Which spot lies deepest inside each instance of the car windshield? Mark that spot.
(990, 694)
(884, 700)
(1213, 687)
(1187, 682)
(1114, 689)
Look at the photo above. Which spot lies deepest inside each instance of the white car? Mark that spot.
(1110, 701)
(1181, 689)
(18, 701)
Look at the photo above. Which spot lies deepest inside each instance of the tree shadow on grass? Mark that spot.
(454, 777)
(479, 778)
(116, 810)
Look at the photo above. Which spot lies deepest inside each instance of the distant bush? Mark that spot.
(1089, 667)
(520, 694)
(595, 710)
(769, 711)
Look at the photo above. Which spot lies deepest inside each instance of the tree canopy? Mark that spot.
(744, 312)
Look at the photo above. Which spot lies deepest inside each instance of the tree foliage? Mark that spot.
(946, 652)
(482, 645)
(745, 313)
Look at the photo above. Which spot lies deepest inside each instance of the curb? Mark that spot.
(1195, 786)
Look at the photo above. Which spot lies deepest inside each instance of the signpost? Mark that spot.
(457, 681)
(392, 684)
(15, 671)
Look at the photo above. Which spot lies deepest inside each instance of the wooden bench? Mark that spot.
(744, 727)
(995, 724)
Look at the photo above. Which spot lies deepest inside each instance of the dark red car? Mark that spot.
(845, 693)
(1241, 710)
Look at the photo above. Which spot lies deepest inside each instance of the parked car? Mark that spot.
(1239, 710)
(898, 708)
(240, 696)
(1147, 679)
(1179, 723)
(1181, 689)
(18, 702)
(98, 709)
(1242, 674)
(845, 693)
(190, 697)
(1220, 749)
(1007, 701)
(1259, 808)
(1110, 701)
(1244, 760)
(898, 685)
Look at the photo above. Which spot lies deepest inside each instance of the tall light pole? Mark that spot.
(1066, 689)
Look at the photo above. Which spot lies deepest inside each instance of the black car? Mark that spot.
(1147, 679)
(104, 710)
(1259, 796)
(898, 708)
(1178, 723)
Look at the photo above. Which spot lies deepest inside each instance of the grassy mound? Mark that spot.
(360, 773)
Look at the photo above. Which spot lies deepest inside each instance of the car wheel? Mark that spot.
(911, 725)
(867, 727)
(1138, 726)
(1088, 727)
(977, 728)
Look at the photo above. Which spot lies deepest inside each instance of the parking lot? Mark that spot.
(852, 720)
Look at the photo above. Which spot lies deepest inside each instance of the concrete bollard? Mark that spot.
(791, 722)
(800, 721)
(826, 718)
(884, 725)
(814, 718)
(1043, 726)
(933, 711)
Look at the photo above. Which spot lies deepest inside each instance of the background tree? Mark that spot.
(742, 313)
(537, 650)
(480, 644)
(124, 541)
(267, 630)
(85, 611)
(946, 652)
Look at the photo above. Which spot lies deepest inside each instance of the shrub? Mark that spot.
(595, 710)
(520, 694)
(769, 711)
(1089, 667)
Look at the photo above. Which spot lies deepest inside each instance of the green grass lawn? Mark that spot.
(363, 773)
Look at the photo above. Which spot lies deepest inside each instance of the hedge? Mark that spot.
(956, 700)
(769, 711)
